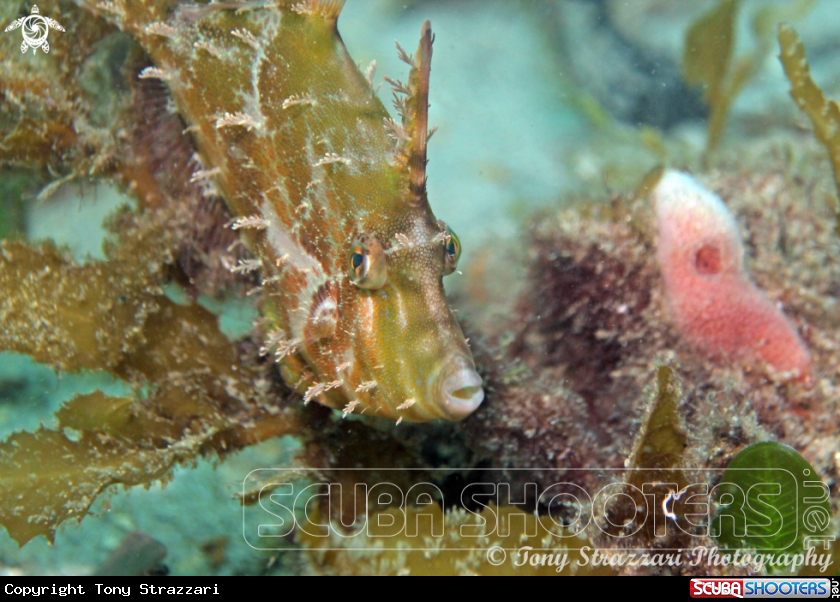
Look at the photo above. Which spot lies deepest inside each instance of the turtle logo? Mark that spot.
(36, 28)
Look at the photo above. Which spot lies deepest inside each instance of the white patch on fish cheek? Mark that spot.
(323, 316)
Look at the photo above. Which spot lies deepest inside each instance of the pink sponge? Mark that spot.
(711, 298)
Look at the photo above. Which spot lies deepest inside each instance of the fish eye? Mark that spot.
(451, 251)
(367, 264)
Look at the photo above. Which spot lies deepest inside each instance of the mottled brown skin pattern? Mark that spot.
(292, 135)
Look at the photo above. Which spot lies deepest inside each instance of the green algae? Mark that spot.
(769, 501)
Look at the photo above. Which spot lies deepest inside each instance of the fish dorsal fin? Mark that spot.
(412, 102)
(418, 105)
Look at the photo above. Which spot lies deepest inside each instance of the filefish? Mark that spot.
(329, 194)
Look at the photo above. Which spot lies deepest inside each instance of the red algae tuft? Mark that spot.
(709, 294)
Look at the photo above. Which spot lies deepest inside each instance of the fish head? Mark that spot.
(404, 335)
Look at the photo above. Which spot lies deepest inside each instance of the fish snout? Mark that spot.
(459, 389)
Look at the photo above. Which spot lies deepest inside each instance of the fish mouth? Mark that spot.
(459, 390)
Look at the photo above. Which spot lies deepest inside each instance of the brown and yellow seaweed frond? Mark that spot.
(823, 113)
(201, 395)
(657, 460)
(53, 475)
(709, 60)
(709, 46)
(662, 439)
(69, 316)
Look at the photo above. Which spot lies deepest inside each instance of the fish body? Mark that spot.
(329, 195)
